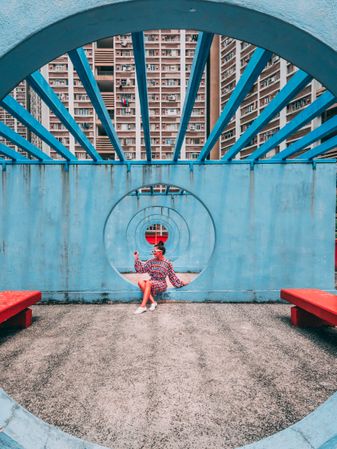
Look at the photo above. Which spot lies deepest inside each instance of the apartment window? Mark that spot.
(266, 135)
(267, 99)
(83, 111)
(62, 96)
(244, 45)
(227, 73)
(86, 125)
(59, 67)
(227, 40)
(273, 60)
(250, 108)
(229, 134)
(229, 56)
(127, 126)
(152, 52)
(152, 67)
(196, 127)
(172, 82)
(298, 104)
(194, 155)
(171, 111)
(246, 126)
(150, 37)
(128, 155)
(81, 97)
(169, 141)
(59, 82)
(129, 141)
(228, 88)
(268, 81)
(127, 111)
(171, 127)
(197, 112)
(126, 67)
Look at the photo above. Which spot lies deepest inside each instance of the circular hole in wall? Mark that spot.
(159, 212)
(156, 233)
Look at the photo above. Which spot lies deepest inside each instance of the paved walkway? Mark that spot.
(186, 376)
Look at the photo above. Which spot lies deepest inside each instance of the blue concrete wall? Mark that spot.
(274, 227)
(70, 24)
(191, 232)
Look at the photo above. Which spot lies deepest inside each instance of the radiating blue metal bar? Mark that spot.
(20, 113)
(320, 149)
(255, 66)
(151, 190)
(47, 94)
(17, 157)
(199, 61)
(84, 71)
(167, 190)
(313, 110)
(139, 54)
(18, 140)
(322, 131)
(295, 85)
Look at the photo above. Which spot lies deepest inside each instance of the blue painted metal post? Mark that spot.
(295, 85)
(200, 58)
(17, 157)
(305, 116)
(139, 54)
(18, 140)
(42, 88)
(322, 131)
(21, 114)
(246, 82)
(84, 71)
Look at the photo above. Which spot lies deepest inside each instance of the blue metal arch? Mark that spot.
(72, 24)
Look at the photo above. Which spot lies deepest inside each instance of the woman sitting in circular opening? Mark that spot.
(158, 268)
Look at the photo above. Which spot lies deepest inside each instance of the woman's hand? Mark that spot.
(136, 255)
(184, 283)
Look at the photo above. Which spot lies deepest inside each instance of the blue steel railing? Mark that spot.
(298, 152)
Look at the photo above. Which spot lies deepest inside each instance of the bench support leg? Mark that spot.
(302, 318)
(20, 321)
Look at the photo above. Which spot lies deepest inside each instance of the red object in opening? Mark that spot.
(154, 239)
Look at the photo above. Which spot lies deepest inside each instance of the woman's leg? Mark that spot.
(141, 285)
(146, 293)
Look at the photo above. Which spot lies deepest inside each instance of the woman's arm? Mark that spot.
(175, 281)
(140, 267)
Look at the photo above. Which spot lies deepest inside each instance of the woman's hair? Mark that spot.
(160, 245)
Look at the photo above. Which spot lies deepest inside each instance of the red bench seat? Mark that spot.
(313, 307)
(14, 307)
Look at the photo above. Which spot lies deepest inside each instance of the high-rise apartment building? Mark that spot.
(169, 56)
(234, 57)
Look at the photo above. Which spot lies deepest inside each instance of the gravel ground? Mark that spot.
(186, 376)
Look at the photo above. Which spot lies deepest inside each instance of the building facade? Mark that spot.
(169, 56)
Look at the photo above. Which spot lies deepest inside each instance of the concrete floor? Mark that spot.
(186, 376)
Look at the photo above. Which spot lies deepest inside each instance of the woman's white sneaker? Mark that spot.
(153, 306)
(140, 310)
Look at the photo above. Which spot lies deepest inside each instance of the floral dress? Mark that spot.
(158, 271)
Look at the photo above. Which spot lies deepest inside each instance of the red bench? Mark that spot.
(313, 308)
(14, 311)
